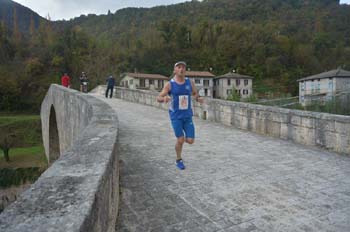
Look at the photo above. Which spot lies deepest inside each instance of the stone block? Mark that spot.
(305, 135)
(273, 129)
(342, 144)
(244, 122)
(342, 128)
(284, 131)
(308, 122)
(295, 120)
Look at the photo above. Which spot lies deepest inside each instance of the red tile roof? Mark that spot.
(231, 75)
(147, 76)
(199, 74)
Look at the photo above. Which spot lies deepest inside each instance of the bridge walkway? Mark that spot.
(234, 180)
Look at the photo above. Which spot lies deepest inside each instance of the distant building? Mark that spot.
(143, 81)
(225, 84)
(203, 82)
(323, 86)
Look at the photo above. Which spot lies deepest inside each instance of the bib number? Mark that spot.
(183, 102)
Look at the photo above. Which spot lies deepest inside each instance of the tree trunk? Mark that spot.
(6, 154)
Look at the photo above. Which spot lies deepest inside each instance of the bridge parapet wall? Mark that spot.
(80, 190)
(310, 128)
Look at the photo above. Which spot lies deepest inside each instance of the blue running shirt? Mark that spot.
(180, 106)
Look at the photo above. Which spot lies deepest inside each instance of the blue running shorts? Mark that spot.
(183, 125)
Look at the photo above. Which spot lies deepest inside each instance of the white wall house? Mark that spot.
(143, 81)
(203, 82)
(225, 84)
(323, 86)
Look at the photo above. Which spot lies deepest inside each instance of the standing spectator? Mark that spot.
(110, 86)
(83, 82)
(65, 80)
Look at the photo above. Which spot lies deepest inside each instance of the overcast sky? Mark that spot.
(67, 9)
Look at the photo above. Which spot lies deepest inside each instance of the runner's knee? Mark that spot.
(180, 140)
(190, 141)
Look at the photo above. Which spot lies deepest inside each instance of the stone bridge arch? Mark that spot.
(80, 189)
(54, 140)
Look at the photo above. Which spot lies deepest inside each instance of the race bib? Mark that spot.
(183, 102)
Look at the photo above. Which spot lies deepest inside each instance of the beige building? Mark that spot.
(203, 82)
(143, 81)
(323, 86)
(225, 84)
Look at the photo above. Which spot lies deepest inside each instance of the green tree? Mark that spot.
(167, 29)
(234, 96)
(7, 141)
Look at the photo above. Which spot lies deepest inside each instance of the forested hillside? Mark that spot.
(18, 17)
(276, 41)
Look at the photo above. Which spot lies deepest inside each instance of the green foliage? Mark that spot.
(25, 157)
(57, 61)
(234, 96)
(14, 177)
(335, 105)
(276, 41)
(251, 99)
(15, 132)
(34, 67)
(27, 129)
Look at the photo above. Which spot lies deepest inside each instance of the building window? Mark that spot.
(151, 82)
(197, 81)
(142, 83)
(206, 82)
(160, 84)
(330, 85)
(229, 91)
(228, 82)
(206, 92)
(245, 82)
(131, 82)
(238, 82)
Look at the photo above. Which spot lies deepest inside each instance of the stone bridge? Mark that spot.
(280, 178)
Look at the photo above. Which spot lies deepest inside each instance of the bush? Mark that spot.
(15, 177)
(234, 96)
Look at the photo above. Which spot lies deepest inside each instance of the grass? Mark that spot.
(26, 128)
(24, 157)
(7, 120)
(27, 158)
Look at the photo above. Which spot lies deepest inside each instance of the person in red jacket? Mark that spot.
(65, 80)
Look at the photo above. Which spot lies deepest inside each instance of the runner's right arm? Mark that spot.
(163, 96)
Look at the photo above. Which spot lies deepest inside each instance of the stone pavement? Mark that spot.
(234, 180)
